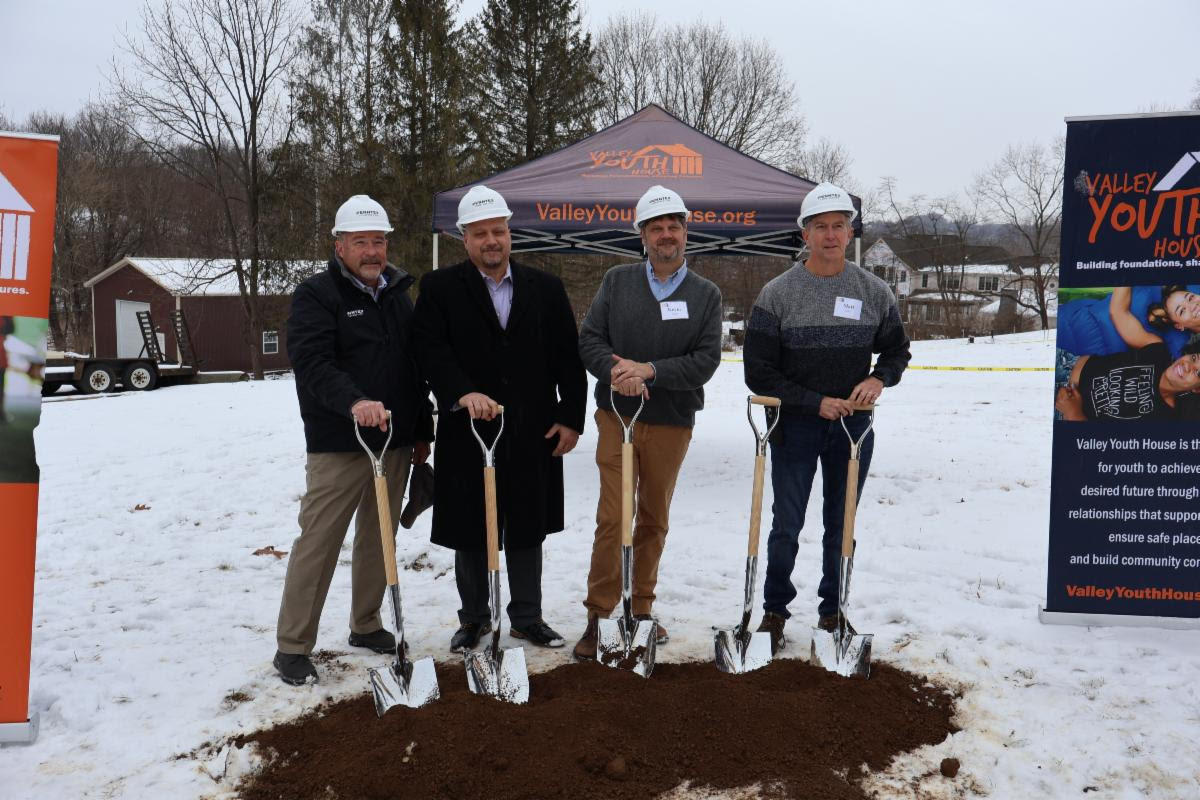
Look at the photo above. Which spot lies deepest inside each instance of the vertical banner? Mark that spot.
(28, 171)
(1125, 486)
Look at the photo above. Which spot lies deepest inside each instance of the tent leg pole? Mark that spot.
(435, 249)
(857, 251)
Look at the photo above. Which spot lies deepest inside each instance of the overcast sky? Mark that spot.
(925, 91)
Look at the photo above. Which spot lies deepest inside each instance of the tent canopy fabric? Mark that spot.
(581, 198)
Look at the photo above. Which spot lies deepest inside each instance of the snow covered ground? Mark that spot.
(154, 622)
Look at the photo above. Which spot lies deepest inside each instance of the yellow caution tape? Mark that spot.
(955, 369)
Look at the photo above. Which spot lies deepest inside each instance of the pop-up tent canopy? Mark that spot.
(582, 198)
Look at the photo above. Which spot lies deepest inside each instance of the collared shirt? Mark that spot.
(663, 289)
(379, 287)
(502, 294)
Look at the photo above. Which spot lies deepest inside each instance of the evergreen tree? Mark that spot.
(530, 77)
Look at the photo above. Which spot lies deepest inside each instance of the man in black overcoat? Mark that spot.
(489, 332)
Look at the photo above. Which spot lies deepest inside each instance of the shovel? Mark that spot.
(627, 643)
(495, 672)
(844, 650)
(738, 649)
(402, 683)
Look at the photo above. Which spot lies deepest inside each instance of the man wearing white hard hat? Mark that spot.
(348, 341)
(810, 342)
(491, 332)
(653, 331)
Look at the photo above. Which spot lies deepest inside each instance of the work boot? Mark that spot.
(295, 668)
(381, 641)
(468, 635)
(585, 648)
(538, 633)
(828, 622)
(773, 624)
(662, 636)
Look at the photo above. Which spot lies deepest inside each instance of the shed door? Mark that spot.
(129, 334)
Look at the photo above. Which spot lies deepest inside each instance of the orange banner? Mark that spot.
(28, 173)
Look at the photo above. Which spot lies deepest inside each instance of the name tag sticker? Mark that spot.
(673, 309)
(847, 308)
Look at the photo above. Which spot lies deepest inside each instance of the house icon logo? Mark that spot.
(651, 161)
(15, 217)
(1182, 167)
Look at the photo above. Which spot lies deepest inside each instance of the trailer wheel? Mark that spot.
(97, 378)
(140, 376)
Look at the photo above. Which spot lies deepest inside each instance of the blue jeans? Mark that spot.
(798, 444)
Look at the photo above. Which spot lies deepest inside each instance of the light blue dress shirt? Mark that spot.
(663, 289)
(502, 294)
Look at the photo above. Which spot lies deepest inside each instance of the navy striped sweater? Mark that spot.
(804, 342)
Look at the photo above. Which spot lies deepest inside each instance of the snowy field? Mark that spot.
(154, 625)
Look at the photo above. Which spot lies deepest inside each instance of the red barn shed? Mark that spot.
(206, 290)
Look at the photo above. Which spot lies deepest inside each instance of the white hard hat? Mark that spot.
(480, 202)
(361, 213)
(657, 201)
(825, 197)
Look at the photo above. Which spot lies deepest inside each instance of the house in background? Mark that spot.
(206, 291)
(945, 287)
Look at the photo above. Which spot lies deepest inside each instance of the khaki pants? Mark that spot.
(658, 452)
(338, 486)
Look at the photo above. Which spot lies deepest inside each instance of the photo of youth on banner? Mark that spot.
(1125, 483)
(22, 361)
(1128, 353)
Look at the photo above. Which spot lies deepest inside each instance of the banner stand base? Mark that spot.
(19, 732)
(1126, 620)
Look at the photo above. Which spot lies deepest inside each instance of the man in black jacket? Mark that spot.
(489, 332)
(348, 341)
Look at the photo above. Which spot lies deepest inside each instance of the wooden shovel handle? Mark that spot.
(851, 508)
(385, 529)
(493, 526)
(760, 464)
(762, 400)
(626, 494)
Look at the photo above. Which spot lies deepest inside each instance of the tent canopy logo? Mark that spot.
(651, 161)
(15, 216)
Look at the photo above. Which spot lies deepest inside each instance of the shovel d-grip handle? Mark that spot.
(489, 494)
(626, 466)
(381, 500)
(760, 464)
(852, 480)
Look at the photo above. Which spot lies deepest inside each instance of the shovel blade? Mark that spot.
(630, 647)
(848, 654)
(736, 655)
(499, 673)
(404, 684)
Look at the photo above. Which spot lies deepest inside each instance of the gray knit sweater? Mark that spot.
(812, 337)
(625, 319)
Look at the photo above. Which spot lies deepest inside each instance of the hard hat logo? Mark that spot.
(361, 213)
(656, 202)
(480, 203)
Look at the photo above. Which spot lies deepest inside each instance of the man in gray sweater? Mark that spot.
(810, 340)
(653, 331)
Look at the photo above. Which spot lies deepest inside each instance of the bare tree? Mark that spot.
(204, 91)
(1195, 104)
(1023, 189)
(824, 161)
(735, 90)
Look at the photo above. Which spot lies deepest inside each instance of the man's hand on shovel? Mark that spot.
(370, 414)
(628, 378)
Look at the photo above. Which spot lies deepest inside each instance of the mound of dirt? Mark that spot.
(589, 731)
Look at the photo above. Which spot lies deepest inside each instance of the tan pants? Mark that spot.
(338, 486)
(658, 452)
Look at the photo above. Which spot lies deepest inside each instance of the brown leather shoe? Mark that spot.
(585, 648)
(773, 624)
(663, 637)
(827, 622)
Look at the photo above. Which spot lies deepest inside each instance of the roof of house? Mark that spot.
(921, 251)
(210, 277)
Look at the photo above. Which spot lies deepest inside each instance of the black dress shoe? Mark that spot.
(381, 641)
(538, 633)
(468, 635)
(295, 668)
